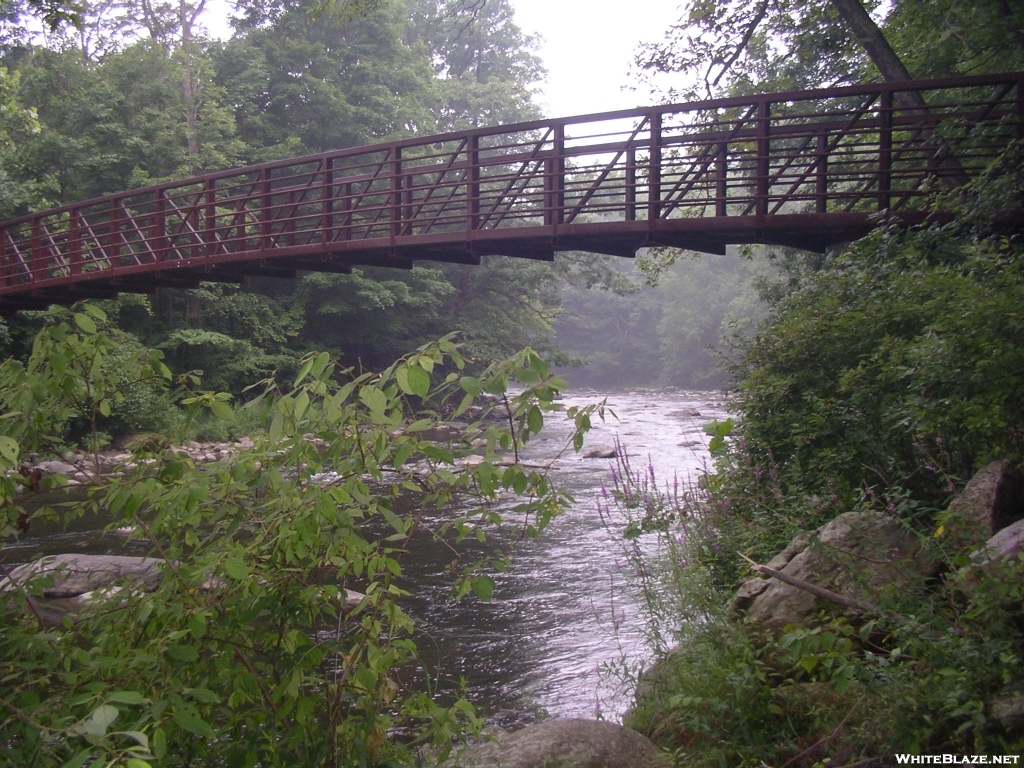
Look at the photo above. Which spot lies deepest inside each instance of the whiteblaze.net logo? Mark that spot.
(957, 759)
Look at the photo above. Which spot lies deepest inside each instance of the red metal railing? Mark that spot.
(806, 169)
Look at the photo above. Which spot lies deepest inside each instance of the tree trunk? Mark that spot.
(187, 18)
(867, 33)
(870, 36)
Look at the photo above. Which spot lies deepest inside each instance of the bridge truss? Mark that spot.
(805, 169)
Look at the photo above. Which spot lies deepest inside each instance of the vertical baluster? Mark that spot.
(558, 190)
(158, 226)
(290, 216)
(327, 203)
(763, 158)
(210, 230)
(113, 232)
(240, 239)
(654, 173)
(473, 192)
(346, 208)
(266, 212)
(821, 174)
(74, 243)
(35, 253)
(721, 179)
(885, 150)
(396, 191)
(630, 184)
(407, 184)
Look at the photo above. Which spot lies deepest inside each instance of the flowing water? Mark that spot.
(563, 612)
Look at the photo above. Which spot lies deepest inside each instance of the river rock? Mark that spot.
(56, 468)
(686, 413)
(1008, 708)
(863, 555)
(992, 500)
(565, 744)
(73, 575)
(604, 452)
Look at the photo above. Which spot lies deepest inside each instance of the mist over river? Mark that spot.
(563, 610)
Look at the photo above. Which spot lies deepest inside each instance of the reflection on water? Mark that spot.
(562, 610)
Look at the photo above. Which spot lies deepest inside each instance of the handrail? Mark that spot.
(803, 168)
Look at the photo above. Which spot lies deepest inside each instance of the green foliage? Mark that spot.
(894, 365)
(922, 681)
(76, 376)
(731, 46)
(247, 653)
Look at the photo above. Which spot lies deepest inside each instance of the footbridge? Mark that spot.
(804, 169)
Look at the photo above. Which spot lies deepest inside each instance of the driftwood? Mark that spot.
(860, 606)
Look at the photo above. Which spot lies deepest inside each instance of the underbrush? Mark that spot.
(925, 680)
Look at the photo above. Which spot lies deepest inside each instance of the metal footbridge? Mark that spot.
(806, 169)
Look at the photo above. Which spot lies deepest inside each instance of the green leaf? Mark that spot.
(276, 427)
(401, 455)
(78, 760)
(85, 322)
(104, 407)
(9, 448)
(135, 762)
(193, 724)
(183, 653)
(127, 697)
(419, 381)
(236, 568)
(100, 720)
(402, 377)
(539, 366)
(483, 587)
(464, 405)
(304, 371)
(373, 399)
(96, 312)
(204, 695)
(140, 738)
(535, 419)
(301, 404)
(159, 743)
(222, 410)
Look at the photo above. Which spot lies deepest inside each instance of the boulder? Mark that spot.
(999, 559)
(605, 452)
(992, 500)
(1008, 708)
(73, 575)
(56, 468)
(564, 744)
(861, 555)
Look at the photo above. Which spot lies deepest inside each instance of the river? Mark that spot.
(563, 613)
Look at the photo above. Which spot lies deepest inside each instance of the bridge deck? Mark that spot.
(805, 169)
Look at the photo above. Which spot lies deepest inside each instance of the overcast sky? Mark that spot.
(587, 47)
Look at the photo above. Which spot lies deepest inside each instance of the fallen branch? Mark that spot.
(849, 602)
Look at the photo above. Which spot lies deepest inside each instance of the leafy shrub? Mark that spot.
(245, 655)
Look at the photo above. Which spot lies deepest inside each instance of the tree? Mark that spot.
(485, 66)
(784, 44)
